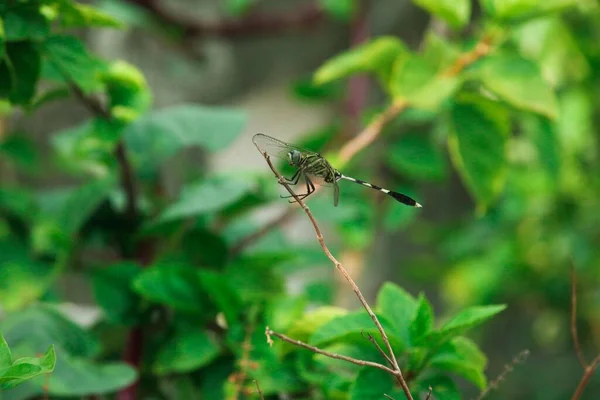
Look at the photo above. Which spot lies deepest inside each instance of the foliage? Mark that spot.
(506, 102)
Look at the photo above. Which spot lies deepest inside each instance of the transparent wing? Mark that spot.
(276, 148)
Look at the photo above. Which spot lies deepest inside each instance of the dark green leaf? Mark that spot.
(17, 202)
(176, 286)
(21, 65)
(185, 352)
(371, 384)
(463, 357)
(477, 146)
(307, 89)
(376, 56)
(69, 60)
(207, 196)
(455, 12)
(421, 323)
(340, 9)
(25, 22)
(398, 306)
(113, 292)
(19, 149)
(415, 155)
(220, 292)
(50, 328)
(443, 388)
(254, 277)
(161, 134)
(519, 82)
(462, 322)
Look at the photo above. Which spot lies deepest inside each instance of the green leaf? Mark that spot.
(515, 10)
(414, 78)
(76, 15)
(455, 12)
(397, 306)
(284, 310)
(443, 387)
(518, 82)
(51, 328)
(398, 218)
(19, 149)
(339, 9)
(220, 292)
(477, 147)
(351, 327)
(415, 155)
(24, 22)
(312, 320)
(254, 278)
(371, 384)
(421, 323)
(27, 368)
(376, 56)
(161, 134)
(69, 60)
(176, 286)
(463, 357)
(462, 322)
(22, 65)
(81, 377)
(5, 354)
(206, 196)
(129, 94)
(113, 292)
(185, 352)
(543, 134)
(238, 7)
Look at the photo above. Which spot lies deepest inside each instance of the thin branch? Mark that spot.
(588, 372)
(340, 268)
(269, 332)
(303, 17)
(260, 393)
(387, 396)
(374, 128)
(371, 339)
(508, 368)
(244, 362)
(429, 393)
(576, 342)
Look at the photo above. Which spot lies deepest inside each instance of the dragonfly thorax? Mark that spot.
(295, 158)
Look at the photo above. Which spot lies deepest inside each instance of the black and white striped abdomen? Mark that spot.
(402, 198)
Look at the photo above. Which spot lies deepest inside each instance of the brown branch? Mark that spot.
(508, 368)
(260, 393)
(244, 362)
(429, 393)
(374, 128)
(371, 339)
(588, 372)
(314, 349)
(576, 342)
(303, 17)
(341, 269)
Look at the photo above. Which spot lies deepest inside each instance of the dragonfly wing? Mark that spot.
(276, 148)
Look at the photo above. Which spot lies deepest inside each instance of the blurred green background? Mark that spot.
(142, 235)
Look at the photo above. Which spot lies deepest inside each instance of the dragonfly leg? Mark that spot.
(294, 179)
(310, 188)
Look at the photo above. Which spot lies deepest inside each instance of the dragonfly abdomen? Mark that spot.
(404, 199)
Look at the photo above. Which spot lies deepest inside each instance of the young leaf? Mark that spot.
(5, 354)
(398, 306)
(515, 10)
(519, 82)
(463, 357)
(376, 56)
(304, 327)
(206, 196)
(454, 12)
(17, 374)
(185, 352)
(477, 147)
(462, 322)
(422, 321)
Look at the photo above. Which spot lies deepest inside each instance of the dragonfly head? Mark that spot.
(294, 158)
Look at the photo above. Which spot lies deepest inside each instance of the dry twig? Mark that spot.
(508, 368)
(260, 393)
(396, 368)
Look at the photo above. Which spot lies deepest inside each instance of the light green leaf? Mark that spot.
(414, 78)
(516, 10)
(543, 135)
(17, 374)
(462, 322)
(75, 15)
(5, 354)
(207, 196)
(185, 352)
(398, 306)
(415, 155)
(351, 327)
(130, 96)
(421, 323)
(161, 134)
(113, 292)
(454, 12)
(477, 147)
(283, 311)
(69, 60)
(518, 82)
(371, 384)
(376, 56)
(339, 9)
(463, 357)
(304, 327)
(238, 7)
(23, 22)
(176, 286)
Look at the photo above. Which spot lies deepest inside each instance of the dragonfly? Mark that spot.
(315, 169)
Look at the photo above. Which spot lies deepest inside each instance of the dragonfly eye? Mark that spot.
(294, 157)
